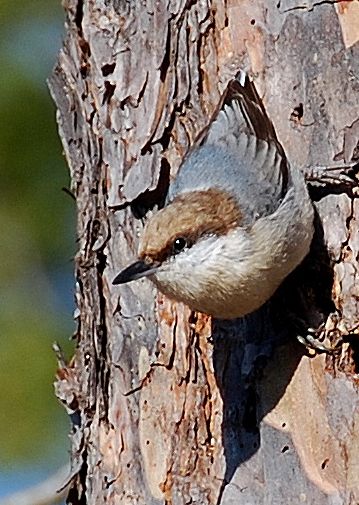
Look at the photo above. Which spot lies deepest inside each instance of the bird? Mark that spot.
(237, 219)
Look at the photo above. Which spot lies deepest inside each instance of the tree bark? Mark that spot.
(169, 406)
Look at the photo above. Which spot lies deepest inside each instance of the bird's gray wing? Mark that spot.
(238, 151)
(241, 111)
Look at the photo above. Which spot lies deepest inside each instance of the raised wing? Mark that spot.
(239, 111)
(238, 152)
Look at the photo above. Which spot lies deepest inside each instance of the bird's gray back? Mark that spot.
(248, 170)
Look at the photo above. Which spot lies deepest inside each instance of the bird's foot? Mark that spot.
(336, 175)
(315, 340)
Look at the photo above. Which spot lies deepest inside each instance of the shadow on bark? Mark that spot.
(243, 347)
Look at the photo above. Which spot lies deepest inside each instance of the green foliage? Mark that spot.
(11, 12)
(33, 170)
(37, 233)
(31, 422)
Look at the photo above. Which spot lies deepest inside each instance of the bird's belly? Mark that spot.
(235, 302)
(223, 298)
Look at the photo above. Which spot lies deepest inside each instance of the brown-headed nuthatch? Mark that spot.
(237, 220)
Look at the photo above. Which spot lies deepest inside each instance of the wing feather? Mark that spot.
(241, 110)
(239, 152)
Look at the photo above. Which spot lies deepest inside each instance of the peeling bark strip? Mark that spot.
(170, 407)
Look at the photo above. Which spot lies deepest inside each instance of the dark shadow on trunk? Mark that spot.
(243, 347)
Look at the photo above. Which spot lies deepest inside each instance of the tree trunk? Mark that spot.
(169, 406)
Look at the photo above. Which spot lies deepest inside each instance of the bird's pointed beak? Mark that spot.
(135, 271)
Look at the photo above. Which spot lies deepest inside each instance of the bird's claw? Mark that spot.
(333, 175)
(314, 343)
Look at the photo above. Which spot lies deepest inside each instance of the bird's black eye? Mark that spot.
(179, 244)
